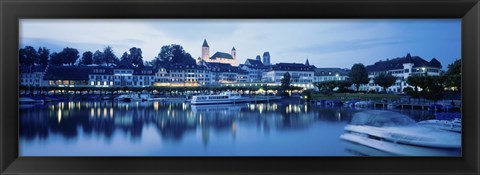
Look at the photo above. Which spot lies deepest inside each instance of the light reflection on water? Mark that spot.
(286, 128)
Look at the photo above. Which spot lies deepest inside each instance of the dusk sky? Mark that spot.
(325, 42)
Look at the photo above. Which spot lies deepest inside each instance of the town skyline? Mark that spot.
(373, 40)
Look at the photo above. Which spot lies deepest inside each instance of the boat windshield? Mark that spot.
(381, 119)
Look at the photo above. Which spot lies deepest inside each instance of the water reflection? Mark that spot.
(181, 123)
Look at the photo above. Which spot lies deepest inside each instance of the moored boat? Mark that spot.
(397, 134)
(132, 97)
(454, 125)
(364, 104)
(222, 98)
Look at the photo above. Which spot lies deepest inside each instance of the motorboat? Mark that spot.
(398, 134)
(454, 125)
(133, 97)
(329, 102)
(156, 99)
(350, 104)
(364, 104)
(222, 98)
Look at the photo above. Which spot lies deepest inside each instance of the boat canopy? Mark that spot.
(379, 118)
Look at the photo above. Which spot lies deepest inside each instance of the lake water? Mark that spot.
(106, 128)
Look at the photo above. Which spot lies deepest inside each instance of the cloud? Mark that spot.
(341, 46)
(323, 41)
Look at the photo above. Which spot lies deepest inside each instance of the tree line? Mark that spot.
(173, 53)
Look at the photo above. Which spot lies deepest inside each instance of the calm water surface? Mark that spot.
(284, 128)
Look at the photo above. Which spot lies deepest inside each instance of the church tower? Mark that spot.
(234, 53)
(205, 50)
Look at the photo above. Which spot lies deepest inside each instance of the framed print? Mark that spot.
(239, 87)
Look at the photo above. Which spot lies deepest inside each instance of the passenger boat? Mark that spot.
(222, 98)
(397, 134)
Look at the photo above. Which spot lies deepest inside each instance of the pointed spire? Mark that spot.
(307, 63)
(233, 49)
(205, 44)
(409, 58)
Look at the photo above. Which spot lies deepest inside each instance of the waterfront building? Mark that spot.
(125, 75)
(218, 57)
(32, 76)
(255, 69)
(402, 68)
(330, 74)
(301, 74)
(182, 74)
(99, 76)
(144, 77)
(242, 75)
(67, 76)
(102, 76)
(226, 73)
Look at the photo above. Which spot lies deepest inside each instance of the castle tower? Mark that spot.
(258, 58)
(307, 63)
(266, 58)
(205, 50)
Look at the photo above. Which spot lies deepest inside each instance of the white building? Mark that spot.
(402, 68)
(32, 76)
(255, 69)
(218, 57)
(181, 74)
(302, 75)
(330, 74)
(121, 76)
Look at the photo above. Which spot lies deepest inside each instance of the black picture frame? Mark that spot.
(13, 10)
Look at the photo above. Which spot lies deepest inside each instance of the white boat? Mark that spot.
(222, 98)
(397, 134)
(156, 99)
(364, 104)
(133, 97)
(454, 125)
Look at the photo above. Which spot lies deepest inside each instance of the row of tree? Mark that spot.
(70, 56)
(29, 56)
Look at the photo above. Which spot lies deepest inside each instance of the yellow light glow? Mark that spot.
(59, 115)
